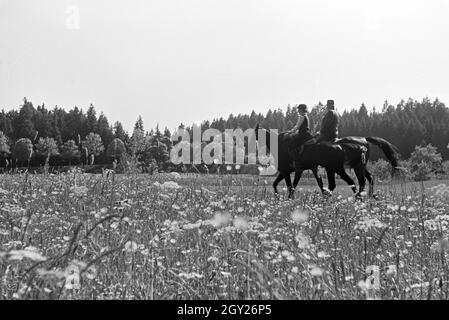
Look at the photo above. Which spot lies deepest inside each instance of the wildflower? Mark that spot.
(393, 207)
(190, 226)
(114, 225)
(31, 253)
(240, 223)
(323, 255)
(431, 225)
(391, 270)
(91, 272)
(212, 259)
(316, 271)
(300, 216)
(362, 285)
(130, 247)
(237, 167)
(191, 275)
(302, 240)
(285, 253)
(221, 219)
(175, 175)
(170, 185)
(80, 191)
(295, 269)
(229, 168)
(367, 223)
(440, 246)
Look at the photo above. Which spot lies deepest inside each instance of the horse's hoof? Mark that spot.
(327, 192)
(360, 195)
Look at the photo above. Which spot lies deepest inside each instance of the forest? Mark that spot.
(36, 136)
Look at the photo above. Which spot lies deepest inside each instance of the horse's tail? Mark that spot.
(390, 151)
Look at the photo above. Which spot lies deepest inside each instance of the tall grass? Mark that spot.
(81, 236)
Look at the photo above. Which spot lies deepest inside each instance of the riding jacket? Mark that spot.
(303, 133)
(329, 125)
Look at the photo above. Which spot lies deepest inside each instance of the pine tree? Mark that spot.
(91, 119)
(120, 133)
(139, 124)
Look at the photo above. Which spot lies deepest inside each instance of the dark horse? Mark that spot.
(351, 152)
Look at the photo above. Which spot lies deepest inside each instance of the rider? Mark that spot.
(302, 130)
(329, 124)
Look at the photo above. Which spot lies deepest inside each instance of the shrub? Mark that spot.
(424, 162)
(23, 150)
(381, 169)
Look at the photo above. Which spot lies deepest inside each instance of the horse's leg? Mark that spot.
(276, 182)
(298, 174)
(288, 181)
(318, 178)
(342, 173)
(360, 173)
(331, 179)
(370, 179)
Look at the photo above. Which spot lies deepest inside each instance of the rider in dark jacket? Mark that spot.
(301, 131)
(329, 124)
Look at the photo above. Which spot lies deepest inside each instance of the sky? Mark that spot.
(174, 61)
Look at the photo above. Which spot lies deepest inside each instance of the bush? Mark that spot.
(381, 169)
(23, 150)
(425, 162)
(116, 149)
(445, 167)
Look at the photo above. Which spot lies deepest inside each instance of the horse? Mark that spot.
(350, 152)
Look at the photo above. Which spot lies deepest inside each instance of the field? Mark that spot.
(170, 236)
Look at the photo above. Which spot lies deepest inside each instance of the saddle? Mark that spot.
(297, 151)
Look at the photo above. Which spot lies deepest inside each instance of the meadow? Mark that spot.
(169, 236)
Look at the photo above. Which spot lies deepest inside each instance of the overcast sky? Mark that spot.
(175, 61)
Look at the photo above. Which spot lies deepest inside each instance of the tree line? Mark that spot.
(38, 135)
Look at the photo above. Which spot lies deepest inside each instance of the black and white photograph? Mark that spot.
(250, 151)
